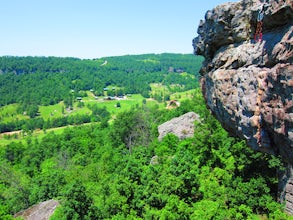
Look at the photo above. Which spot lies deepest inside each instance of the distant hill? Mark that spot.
(48, 80)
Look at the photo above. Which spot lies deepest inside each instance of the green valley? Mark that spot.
(84, 133)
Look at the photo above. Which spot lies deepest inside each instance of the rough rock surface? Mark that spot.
(248, 84)
(182, 126)
(41, 211)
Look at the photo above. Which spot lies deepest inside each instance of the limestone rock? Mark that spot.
(248, 85)
(182, 126)
(41, 211)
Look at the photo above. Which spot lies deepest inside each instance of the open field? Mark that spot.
(7, 138)
(51, 111)
(180, 96)
(8, 113)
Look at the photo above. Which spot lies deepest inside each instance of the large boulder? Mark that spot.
(41, 211)
(248, 75)
(182, 126)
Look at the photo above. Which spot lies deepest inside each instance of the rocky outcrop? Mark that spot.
(182, 126)
(247, 75)
(41, 211)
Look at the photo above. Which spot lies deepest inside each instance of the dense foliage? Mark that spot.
(104, 172)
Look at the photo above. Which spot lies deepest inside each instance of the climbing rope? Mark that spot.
(258, 32)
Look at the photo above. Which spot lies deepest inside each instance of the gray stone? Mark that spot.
(182, 126)
(41, 211)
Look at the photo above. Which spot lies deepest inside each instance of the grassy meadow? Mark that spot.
(9, 113)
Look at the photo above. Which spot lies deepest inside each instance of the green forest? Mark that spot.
(62, 137)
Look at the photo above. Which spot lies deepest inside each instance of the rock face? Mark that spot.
(182, 126)
(41, 211)
(248, 75)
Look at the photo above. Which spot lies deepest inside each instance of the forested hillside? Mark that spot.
(48, 80)
(102, 169)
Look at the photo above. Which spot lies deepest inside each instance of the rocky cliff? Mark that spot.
(247, 75)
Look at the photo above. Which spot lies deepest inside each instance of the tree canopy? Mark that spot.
(105, 172)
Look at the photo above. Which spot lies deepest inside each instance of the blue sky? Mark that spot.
(96, 28)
